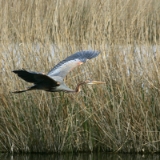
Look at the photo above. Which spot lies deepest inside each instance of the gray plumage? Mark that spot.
(63, 67)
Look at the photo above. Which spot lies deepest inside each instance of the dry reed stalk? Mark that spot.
(121, 116)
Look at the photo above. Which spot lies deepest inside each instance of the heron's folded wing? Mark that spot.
(65, 66)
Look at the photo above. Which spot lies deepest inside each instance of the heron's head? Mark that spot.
(94, 82)
(87, 82)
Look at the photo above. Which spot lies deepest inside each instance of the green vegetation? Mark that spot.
(122, 116)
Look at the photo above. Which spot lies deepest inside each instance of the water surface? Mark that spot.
(80, 156)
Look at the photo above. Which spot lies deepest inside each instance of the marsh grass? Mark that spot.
(120, 116)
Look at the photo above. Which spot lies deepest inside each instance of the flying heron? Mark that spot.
(53, 81)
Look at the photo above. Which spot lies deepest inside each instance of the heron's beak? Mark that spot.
(95, 82)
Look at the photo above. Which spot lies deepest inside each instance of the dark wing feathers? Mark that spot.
(28, 76)
(35, 77)
(63, 67)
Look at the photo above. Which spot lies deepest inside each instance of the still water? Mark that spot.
(81, 156)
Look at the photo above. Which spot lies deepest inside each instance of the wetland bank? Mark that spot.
(121, 116)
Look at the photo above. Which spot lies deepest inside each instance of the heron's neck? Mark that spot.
(78, 88)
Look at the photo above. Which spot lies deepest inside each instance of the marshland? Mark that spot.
(122, 115)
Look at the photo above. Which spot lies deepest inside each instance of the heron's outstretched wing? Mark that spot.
(63, 67)
(35, 77)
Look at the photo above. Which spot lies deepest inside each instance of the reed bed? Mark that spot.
(120, 116)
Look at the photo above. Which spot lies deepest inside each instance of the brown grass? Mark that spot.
(121, 116)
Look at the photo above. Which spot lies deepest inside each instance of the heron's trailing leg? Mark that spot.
(29, 88)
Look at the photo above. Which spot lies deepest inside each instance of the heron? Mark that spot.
(54, 80)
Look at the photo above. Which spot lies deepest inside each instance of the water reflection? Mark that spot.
(81, 156)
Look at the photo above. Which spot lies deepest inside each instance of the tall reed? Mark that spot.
(121, 116)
